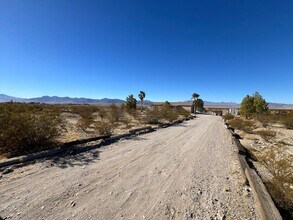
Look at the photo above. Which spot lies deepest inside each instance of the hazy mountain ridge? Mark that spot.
(63, 100)
(69, 100)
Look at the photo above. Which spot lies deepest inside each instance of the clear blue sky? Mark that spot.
(222, 50)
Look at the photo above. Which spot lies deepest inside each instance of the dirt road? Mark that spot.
(181, 172)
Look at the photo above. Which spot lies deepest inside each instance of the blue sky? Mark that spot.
(222, 50)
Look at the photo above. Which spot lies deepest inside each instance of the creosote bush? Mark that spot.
(85, 112)
(157, 115)
(287, 120)
(153, 115)
(241, 124)
(228, 116)
(280, 185)
(27, 128)
(182, 111)
(266, 134)
(103, 127)
(115, 113)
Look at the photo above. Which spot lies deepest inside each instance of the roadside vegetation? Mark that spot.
(27, 128)
(280, 185)
(257, 120)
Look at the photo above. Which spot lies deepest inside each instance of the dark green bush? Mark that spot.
(27, 128)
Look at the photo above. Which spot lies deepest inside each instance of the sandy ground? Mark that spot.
(181, 172)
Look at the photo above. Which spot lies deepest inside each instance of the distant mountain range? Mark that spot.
(64, 100)
(105, 101)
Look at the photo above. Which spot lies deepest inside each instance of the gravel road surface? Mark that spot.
(188, 171)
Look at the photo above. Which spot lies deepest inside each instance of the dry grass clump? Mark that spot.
(242, 124)
(280, 186)
(27, 128)
(266, 134)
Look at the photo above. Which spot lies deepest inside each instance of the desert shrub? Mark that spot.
(127, 122)
(266, 134)
(115, 113)
(27, 128)
(84, 123)
(228, 116)
(181, 111)
(103, 112)
(280, 185)
(287, 120)
(153, 116)
(103, 127)
(168, 113)
(132, 112)
(265, 119)
(241, 124)
(85, 111)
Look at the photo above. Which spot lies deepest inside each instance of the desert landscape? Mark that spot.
(146, 110)
(188, 170)
(176, 172)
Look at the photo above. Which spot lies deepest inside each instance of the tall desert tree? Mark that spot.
(194, 96)
(130, 102)
(198, 104)
(141, 96)
(254, 104)
(259, 103)
(246, 107)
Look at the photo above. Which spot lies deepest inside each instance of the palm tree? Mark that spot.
(141, 96)
(194, 97)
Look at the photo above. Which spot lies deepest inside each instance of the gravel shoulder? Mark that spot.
(181, 172)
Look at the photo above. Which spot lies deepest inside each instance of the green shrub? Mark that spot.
(130, 102)
(27, 128)
(241, 124)
(228, 116)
